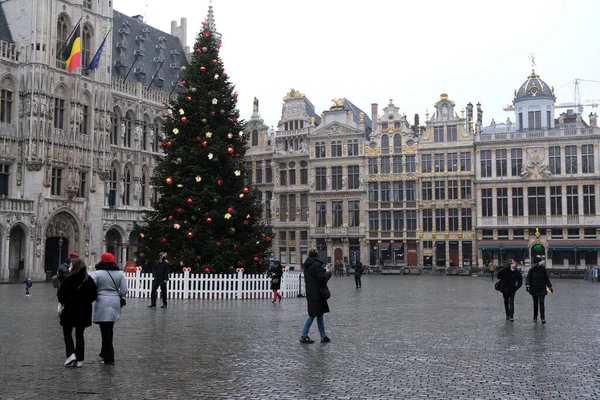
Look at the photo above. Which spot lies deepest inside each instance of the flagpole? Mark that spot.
(176, 83)
(157, 71)
(99, 49)
(132, 65)
(68, 37)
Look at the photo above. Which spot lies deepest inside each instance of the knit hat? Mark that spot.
(108, 258)
(73, 255)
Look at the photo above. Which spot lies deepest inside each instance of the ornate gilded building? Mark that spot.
(537, 183)
(77, 150)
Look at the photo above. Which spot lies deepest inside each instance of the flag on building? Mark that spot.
(96, 60)
(71, 53)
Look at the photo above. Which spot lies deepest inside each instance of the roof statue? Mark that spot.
(255, 105)
(293, 94)
(339, 102)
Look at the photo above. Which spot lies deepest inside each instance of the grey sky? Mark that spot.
(411, 51)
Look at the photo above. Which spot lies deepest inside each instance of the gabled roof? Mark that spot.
(356, 116)
(4, 29)
(133, 38)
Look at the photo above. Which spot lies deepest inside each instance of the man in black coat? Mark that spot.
(536, 283)
(510, 281)
(161, 276)
(315, 279)
(358, 271)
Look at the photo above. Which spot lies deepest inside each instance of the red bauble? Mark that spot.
(245, 222)
(230, 150)
(214, 61)
(207, 33)
(189, 201)
(198, 49)
(239, 264)
(235, 246)
(256, 218)
(159, 205)
(162, 144)
(206, 270)
(164, 240)
(208, 220)
(224, 74)
(169, 144)
(198, 138)
(246, 190)
(219, 182)
(219, 46)
(179, 210)
(229, 209)
(203, 23)
(170, 217)
(203, 69)
(218, 243)
(183, 82)
(237, 155)
(150, 238)
(268, 238)
(242, 140)
(183, 119)
(233, 119)
(190, 234)
(204, 143)
(164, 170)
(188, 98)
(256, 259)
(169, 181)
(212, 113)
(235, 95)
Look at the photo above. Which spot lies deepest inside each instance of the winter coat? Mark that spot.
(160, 269)
(28, 283)
(276, 273)
(510, 281)
(108, 303)
(358, 269)
(63, 271)
(315, 277)
(77, 293)
(537, 280)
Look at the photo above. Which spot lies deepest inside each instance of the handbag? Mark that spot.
(275, 280)
(497, 286)
(61, 308)
(122, 300)
(325, 293)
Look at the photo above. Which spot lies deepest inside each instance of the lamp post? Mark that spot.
(500, 255)
(60, 245)
(116, 246)
(576, 261)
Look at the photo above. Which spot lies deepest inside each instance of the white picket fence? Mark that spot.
(215, 286)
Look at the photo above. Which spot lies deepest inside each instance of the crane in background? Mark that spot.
(577, 97)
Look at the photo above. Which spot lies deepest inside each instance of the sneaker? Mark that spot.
(512, 319)
(71, 360)
(79, 364)
(306, 339)
(108, 362)
(325, 339)
(543, 321)
(280, 297)
(163, 306)
(507, 318)
(152, 305)
(273, 301)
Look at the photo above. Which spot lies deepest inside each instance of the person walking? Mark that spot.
(76, 295)
(317, 292)
(28, 285)
(510, 281)
(160, 271)
(63, 269)
(112, 285)
(276, 274)
(358, 271)
(536, 283)
(492, 268)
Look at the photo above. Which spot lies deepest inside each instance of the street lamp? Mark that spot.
(576, 261)
(60, 245)
(500, 255)
(115, 244)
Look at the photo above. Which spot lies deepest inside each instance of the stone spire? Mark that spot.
(210, 21)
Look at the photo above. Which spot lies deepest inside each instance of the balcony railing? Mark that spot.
(536, 134)
(338, 231)
(572, 219)
(537, 220)
(137, 90)
(16, 205)
(8, 51)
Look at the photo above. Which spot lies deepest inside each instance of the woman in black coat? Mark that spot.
(276, 274)
(510, 281)
(536, 283)
(315, 278)
(76, 294)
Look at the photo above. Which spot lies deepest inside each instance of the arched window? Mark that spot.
(336, 148)
(144, 188)
(385, 144)
(87, 4)
(292, 173)
(255, 138)
(157, 134)
(128, 129)
(62, 33)
(116, 118)
(84, 125)
(112, 188)
(86, 45)
(127, 187)
(397, 143)
(145, 124)
(320, 150)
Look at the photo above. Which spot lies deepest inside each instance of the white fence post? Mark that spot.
(137, 292)
(186, 283)
(240, 283)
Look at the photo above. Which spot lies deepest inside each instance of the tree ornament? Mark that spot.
(219, 244)
(204, 143)
(181, 111)
(219, 46)
(268, 238)
(183, 82)
(176, 226)
(215, 101)
(198, 50)
(219, 182)
(256, 218)
(239, 264)
(208, 220)
(203, 69)
(179, 160)
(188, 98)
(193, 90)
(179, 210)
(169, 144)
(241, 195)
(246, 190)
(198, 178)
(189, 200)
(241, 133)
(183, 68)
(245, 222)
(170, 217)
(232, 230)
(233, 119)
(170, 111)
(204, 120)
(214, 61)
(212, 113)
(206, 270)
(247, 216)
(222, 111)
(238, 172)
(224, 73)
(256, 259)
(205, 49)
(235, 246)
(216, 77)
(227, 216)
(179, 185)
(230, 150)
(229, 135)
(141, 235)
(169, 180)
(235, 95)
(230, 209)
(164, 240)
(208, 134)
(184, 119)
(207, 33)
(190, 234)
(210, 156)
(175, 131)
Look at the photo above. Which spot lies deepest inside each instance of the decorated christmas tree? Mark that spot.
(206, 215)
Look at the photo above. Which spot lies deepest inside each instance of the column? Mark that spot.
(509, 163)
(580, 200)
(124, 254)
(563, 193)
(562, 161)
(597, 197)
(510, 202)
(526, 202)
(460, 254)
(494, 203)
(5, 259)
(548, 198)
(493, 163)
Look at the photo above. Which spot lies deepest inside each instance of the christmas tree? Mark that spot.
(206, 215)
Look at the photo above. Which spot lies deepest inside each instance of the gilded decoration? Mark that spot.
(428, 132)
(293, 94)
(409, 149)
(361, 116)
(372, 152)
(339, 102)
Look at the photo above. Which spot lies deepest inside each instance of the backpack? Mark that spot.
(497, 286)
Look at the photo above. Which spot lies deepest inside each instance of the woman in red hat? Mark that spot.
(112, 286)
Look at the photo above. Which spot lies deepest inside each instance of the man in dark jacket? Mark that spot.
(315, 279)
(160, 270)
(510, 281)
(63, 269)
(536, 283)
(358, 271)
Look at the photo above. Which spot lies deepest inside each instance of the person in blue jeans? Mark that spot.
(315, 278)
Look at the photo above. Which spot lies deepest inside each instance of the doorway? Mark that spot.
(338, 256)
(57, 250)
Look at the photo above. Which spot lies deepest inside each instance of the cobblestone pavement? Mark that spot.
(403, 337)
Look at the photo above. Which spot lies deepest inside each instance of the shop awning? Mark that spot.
(397, 245)
(384, 245)
(503, 245)
(569, 244)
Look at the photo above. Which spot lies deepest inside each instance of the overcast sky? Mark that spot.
(410, 51)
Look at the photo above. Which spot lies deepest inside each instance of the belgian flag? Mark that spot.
(71, 53)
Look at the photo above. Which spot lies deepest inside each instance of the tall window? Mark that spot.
(321, 178)
(486, 163)
(128, 130)
(517, 201)
(303, 172)
(452, 189)
(555, 200)
(466, 217)
(336, 213)
(336, 178)
(554, 159)
(587, 159)
(589, 200)
(452, 162)
(81, 192)
(373, 221)
(386, 221)
(353, 213)
(486, 202)
(397, 162)
(116, 121)
(501, 163)
(259, 171)
(385, 165)
(427, 220)
(292, 206)
(397, 143)
(353, 147)
(438, 162)
(453, 219)
(86, 45)
(465, 161)
(144, 183)
(249, 172)
(426, 163)
(534, 120)
(283, 208)
(571, 159)
(112, 191)
(353, 177)
(385, 144)
(373, 166)
(440, 190)
(536, 197)
(373, 191)
(283, 175)
(411, 220)
(85, 118)
(397, 191)
(516, 161)
(254, 138)
(426, 191)
(502, 202)
(411, 190)
(451, 133)
(59, 113)
(384, 188)
(4, 179)
(438, 133)
(144, 143)
(336, 148)
(304, 207)
(398, 220)
(292, 172)
(6, 106)
(127, 187)
(320, 150)
(465, 189)
(440, 220)
(572, 200)
(268, 172)
(62, 33)
(410, 164)
(56, 182)
(321, 214)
